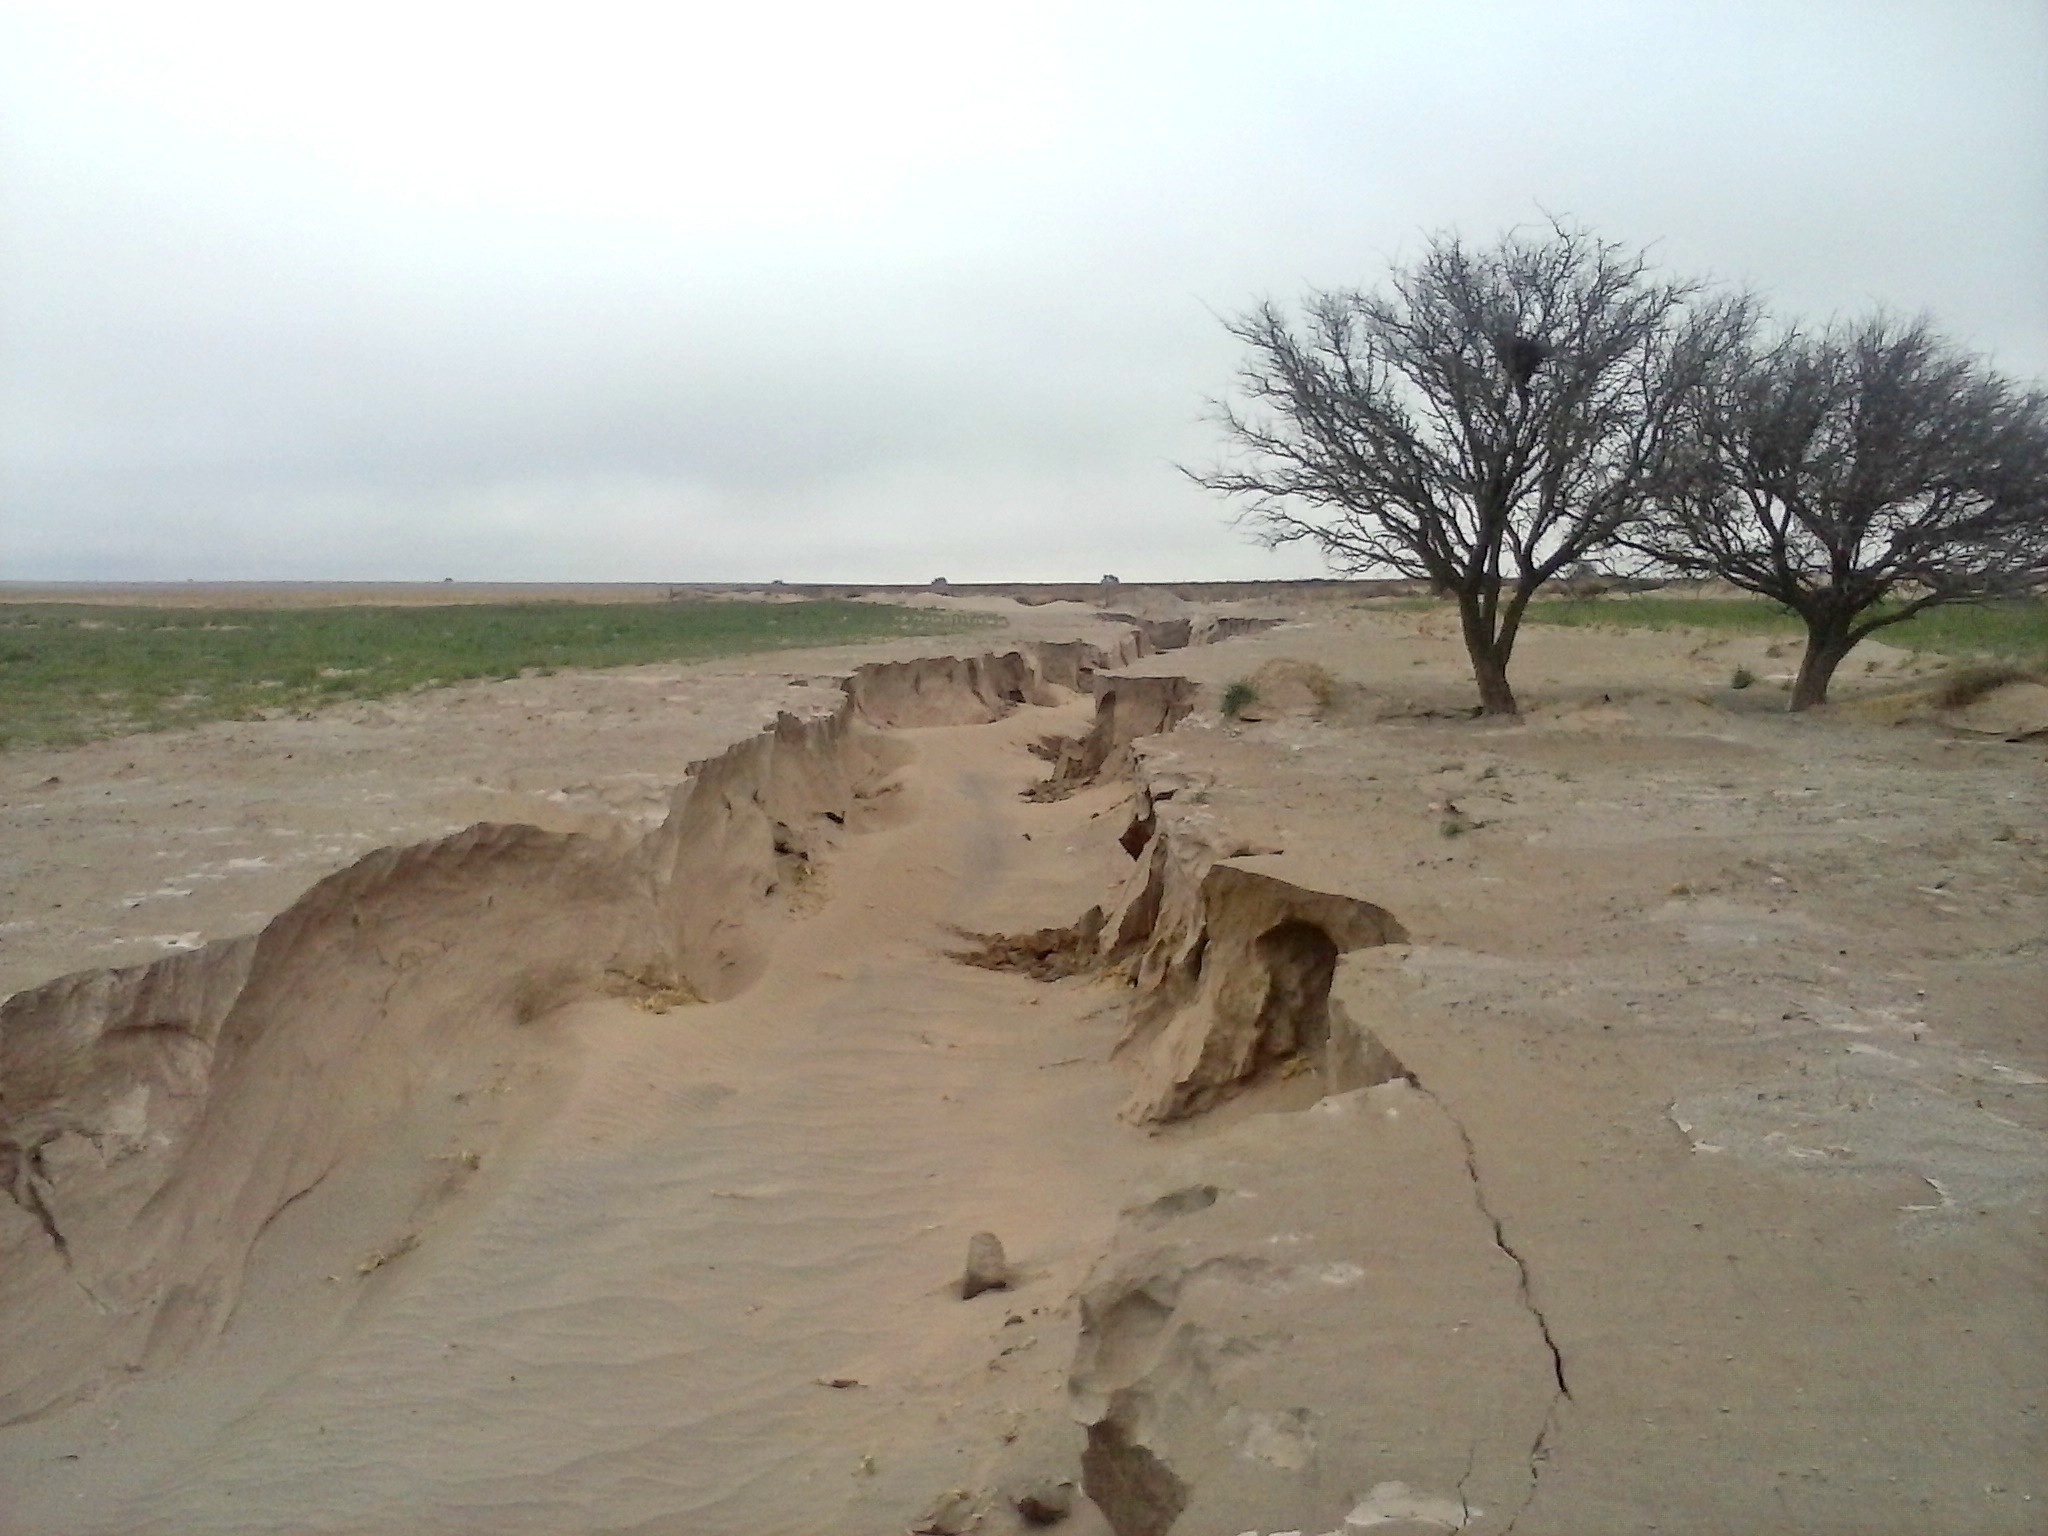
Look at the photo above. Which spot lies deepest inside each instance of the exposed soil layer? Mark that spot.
(157, 1119)
(1576, 1126)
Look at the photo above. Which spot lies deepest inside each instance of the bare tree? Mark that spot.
(1494, 419)
(1859, 476)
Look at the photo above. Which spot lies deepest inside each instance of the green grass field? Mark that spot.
(72, 672)
(2013, 631)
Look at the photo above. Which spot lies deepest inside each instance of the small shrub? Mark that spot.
(1965, 686)
(1239, 697)
(1743, 678)
(1287, 685)
(1321, 686)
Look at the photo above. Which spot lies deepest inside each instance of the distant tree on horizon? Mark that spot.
(1494, 418)
(1859, 474)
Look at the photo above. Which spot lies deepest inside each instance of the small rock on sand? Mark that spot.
(954, 1513)
(987, 1269)
(1046, 1502)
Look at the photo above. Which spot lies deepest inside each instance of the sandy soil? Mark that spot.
(119, 851)
(1704, 1193)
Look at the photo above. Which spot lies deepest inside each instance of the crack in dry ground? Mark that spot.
(1464, 1477)
(27, 1173)
(1539, 1449)
(285, 1205)
(23, 1187)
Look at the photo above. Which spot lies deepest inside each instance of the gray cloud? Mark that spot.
(664, 297)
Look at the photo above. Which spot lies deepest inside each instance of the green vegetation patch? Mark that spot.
(71, 672)
(2018, 631)
(2014, 630)
(1740, 615)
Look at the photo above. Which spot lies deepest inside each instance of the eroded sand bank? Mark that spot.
(1662, 1147)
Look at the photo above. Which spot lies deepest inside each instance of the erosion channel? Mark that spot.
(622, 1180)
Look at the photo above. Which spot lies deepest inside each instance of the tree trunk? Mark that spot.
(1489, 661)
(1495, 696)
(1827, 642)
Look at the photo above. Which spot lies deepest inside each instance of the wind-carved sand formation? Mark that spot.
(531, 1180)
(159, 1119)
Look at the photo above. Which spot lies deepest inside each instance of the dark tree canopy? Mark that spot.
(1494, 418)
(1858, 475)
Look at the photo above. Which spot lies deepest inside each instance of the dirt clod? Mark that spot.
(1046, 1502)
(988, 1269)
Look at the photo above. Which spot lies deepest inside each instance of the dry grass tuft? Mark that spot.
(1286, 686)
(1966, 685)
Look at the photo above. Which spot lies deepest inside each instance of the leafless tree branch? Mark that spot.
(1859, 475)
(1490, 419)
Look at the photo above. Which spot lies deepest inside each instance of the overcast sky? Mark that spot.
(870, 291)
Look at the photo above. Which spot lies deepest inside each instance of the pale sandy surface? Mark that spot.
(1727, 1031)
(118, 851)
